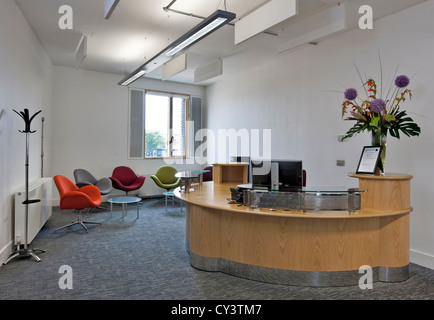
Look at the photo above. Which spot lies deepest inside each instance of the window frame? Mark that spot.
(171, 95)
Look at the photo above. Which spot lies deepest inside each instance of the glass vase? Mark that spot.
(380, 139)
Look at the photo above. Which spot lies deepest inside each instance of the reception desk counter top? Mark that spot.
(318, 248)
(218, 196)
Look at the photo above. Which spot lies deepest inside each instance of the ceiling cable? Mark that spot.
(146, 38)
(167, 8)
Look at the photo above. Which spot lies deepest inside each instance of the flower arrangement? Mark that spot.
(376, 114)
(379, 116)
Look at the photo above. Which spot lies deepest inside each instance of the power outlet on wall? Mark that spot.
(340, 163)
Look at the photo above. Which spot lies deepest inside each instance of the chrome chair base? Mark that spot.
(80, 222)
(100, 207)
(25, 253)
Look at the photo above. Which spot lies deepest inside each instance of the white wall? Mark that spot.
(87, 111)
(91, 123)
(293, 97)
(25, 82)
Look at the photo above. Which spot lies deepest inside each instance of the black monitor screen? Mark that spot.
(261, 175)
(290, 174)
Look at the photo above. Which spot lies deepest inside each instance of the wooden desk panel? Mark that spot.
(248, 240)
(387, 192)
(231, 172)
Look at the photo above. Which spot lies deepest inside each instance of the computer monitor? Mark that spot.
(261, 175)
(290, 174)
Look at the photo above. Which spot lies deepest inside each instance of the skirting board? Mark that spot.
(5, 252)
(422, 259)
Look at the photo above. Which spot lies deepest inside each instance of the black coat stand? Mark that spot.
(26, 252)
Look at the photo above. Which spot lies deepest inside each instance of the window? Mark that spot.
(157, 124)
(165, 118)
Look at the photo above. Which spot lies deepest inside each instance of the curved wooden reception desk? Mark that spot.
(318, 248)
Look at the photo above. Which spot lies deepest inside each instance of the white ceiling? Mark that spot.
(139, 29)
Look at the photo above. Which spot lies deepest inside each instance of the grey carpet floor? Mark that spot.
(145, 259)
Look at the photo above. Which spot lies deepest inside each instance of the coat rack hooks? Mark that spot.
(26, 252)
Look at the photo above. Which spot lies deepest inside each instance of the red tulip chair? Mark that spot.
(207, 176)
(73, 197)
(124, 178)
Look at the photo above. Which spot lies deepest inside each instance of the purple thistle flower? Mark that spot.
(402, 81)
(377, 105)
(350, 94)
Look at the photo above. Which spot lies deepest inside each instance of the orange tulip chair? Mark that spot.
(73, 197)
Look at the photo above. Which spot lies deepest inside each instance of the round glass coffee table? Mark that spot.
(124, 201)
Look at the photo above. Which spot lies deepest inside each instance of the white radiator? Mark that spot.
(39, 212)
(150, 188)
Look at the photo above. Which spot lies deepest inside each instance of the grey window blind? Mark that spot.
(136, 128)
(196, 117)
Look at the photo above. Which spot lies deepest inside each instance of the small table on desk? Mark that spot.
(188, 176)
(124, 201)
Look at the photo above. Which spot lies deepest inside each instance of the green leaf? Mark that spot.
(396, 134)
(404, 124)
(344, 108)
(357, 128)
(389, 118)
(374, 122)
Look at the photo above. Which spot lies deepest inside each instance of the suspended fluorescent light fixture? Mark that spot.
(133, 77)
(215, 21)
(197, 36)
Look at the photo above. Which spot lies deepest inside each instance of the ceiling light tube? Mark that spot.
(201, 33)
(132, 77)
(215, 21)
